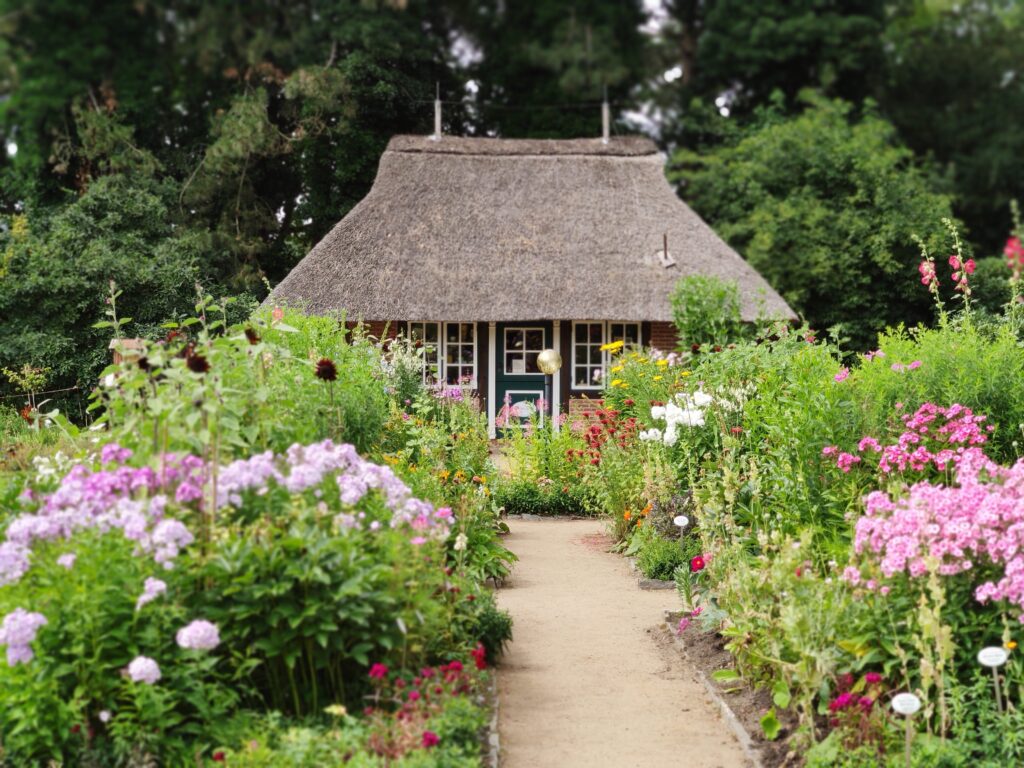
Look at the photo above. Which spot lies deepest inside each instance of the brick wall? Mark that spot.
(582, 410)
(663, 336)
(376, 328)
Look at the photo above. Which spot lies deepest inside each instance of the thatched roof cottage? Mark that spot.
(491, 250)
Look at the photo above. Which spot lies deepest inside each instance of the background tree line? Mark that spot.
(164, 142)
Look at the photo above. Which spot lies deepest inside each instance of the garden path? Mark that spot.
(589, 679)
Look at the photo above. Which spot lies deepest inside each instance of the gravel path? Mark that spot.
(588, 680)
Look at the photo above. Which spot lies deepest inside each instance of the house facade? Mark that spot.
(488, 251)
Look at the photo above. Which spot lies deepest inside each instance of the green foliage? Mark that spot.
(657, 557)
(706, 310)
(527, 497)
(824, 205)
(57, 275)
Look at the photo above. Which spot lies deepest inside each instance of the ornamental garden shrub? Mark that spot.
(217, 571)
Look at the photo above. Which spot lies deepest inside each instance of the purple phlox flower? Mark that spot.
(17, 632)
(143, 669)
(200, 635)
(151, 590)
(67, 560)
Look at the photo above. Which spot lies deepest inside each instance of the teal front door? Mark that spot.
(519, 384)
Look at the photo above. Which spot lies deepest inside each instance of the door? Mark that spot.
(519, 384)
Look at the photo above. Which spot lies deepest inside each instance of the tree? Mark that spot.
(955, 90)
(825, 205)
(541, 67)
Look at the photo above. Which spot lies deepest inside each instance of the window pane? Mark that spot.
(580, 378)
(466, 354)
(531, 362)
(510, 358)
(580, 333)
(595, 333)
(513, 339)
(595, 355)
(535, 340)
(467, 332)
(452, 333)
(433, 332)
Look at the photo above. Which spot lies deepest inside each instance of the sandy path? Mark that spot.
(586, 681)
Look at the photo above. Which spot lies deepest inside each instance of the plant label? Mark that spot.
(906, 704)
(681, 520)
(993, 656)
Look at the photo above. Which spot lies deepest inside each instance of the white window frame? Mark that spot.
(589, 365)
(525, 351)
(440, 348)
(606, 338)
(442, 351)
(461, 365)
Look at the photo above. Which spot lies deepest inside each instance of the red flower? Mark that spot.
(430, 739)
(326, 369)
(414, 695)
(480, 656)
(219, 757)
(697, 564)
(736, 430)
(627, 401)
(378, 671)
(455, 666)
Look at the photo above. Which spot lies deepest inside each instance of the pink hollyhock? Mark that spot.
(843, 375)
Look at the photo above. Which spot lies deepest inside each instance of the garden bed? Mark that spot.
(742, 705)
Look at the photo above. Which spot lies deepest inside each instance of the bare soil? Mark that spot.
(706, 651)
(591, 678)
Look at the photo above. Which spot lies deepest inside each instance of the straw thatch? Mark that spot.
(465, 229)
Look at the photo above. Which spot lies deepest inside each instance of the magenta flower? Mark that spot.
(843, 375)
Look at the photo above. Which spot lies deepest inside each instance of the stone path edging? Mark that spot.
(745, 741)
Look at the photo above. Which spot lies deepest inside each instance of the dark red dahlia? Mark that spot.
(326, 369)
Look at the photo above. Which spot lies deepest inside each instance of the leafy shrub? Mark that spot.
(706, 310)
(657, 557)
(824, 204)
(520, 497)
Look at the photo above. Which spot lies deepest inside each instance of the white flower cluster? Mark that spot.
(686, 411)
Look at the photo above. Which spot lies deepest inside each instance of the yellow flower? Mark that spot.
(1010, 645)
(658, 378)
(626, 515)
(616, 382)
(613, 346)
(336, 709)
(685, 373)
(662, 363)
(617, 368)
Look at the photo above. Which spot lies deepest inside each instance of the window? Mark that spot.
(589, 361)
(428, 336)
(522, 346)
(460, 353)
(625, 332)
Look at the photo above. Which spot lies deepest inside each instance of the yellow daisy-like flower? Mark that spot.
(662, 363)
(613, 346)
(658, 378)
(1010, 645)
(617, 368)
(685, 373)
(616, 382)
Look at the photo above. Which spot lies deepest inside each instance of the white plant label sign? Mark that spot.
(906, 704)
(681, 521)
(993, 656)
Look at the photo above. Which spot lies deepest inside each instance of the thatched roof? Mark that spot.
(507, 229)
